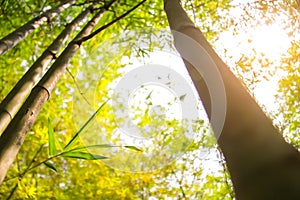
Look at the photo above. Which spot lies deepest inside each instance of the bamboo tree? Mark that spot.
(19, 34)
(14, 135)
(261, 164)
(12, 102)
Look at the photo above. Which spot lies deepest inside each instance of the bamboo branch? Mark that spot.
(112, 22)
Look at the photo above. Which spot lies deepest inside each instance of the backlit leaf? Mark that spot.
(83, 155)
(50, 165)
(133, 148)
(76, 136)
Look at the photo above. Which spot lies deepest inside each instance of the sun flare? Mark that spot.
(270, 40)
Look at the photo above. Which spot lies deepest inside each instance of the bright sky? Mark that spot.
(271, 40)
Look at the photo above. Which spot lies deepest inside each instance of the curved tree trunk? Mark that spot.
(261, 164)
(19, 34)
(12, 102)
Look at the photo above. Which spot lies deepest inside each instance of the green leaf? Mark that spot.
(51, 139)
(92, 147)
(83, 155)
(149, 95)
(182, 97)
(76, 136)
(50, 165)
(133, 148)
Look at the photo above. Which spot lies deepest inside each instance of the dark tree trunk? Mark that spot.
(261, 163)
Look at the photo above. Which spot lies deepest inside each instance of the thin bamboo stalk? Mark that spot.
(12, 102)
(14, 135)
(19, 34)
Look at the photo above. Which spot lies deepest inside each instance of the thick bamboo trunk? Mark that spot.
(14, 135)
(262, 165)
(19, 34)
(13, 101)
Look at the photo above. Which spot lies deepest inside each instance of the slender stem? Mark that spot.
(12, 192)
(25, 171)
(110, 23)
(77, 86)
(180, 184)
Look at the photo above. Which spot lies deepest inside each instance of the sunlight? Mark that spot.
(261, 42)
(270, 40)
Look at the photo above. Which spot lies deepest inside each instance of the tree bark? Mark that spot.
(19, 34)
(261, 164)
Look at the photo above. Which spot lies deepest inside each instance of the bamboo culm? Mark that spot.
(19, 34)
(12, 102)
(14, 135)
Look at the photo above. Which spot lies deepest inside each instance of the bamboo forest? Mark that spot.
(150, 99)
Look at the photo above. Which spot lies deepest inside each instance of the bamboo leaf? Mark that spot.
(51, 139)
(133, 148)
(92, 147)
(76, 136)
(83, 155)
(50, 165)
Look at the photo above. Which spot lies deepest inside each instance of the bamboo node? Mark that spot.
(52, 54)
(44, 88)
(7, 112)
